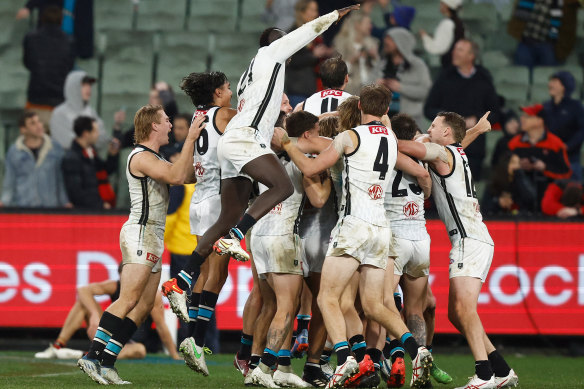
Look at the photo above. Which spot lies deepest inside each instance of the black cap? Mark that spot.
(88, 80)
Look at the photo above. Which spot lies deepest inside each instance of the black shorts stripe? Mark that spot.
(453, 209)
(267, 97)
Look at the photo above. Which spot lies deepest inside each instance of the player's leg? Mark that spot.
(370, 282)
(303, 319)
(196, 297)
(437, 373)
(504, 375)
(414, 296)
(336, 274)
(77, 314)
(133, 350)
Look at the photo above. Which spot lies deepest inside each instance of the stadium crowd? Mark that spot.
(58, 163)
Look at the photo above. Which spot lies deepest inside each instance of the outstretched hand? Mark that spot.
(343, 11)
(483, 125)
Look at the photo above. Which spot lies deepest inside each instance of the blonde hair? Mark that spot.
(349, 114)
(299, 9)
(143, 120)
(328, 126)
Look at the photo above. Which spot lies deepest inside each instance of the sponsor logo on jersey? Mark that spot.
(411, 209)
(331, 92)
(375, 130)
(460, 151)
(277, 210)
(375, 192)
(152, 258)
(199, 169)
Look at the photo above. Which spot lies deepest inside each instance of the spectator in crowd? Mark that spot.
(32, 175)
(545, 29)
(180, 130)
(401, 16)
(84, 172)
(563, 198)
(542, 154)
(48, 56)
(510, 191)
(160, 94)
(411, 81)
(564, 116)
(509, 122)
(467, 89)
(77, 93)
(77, 21)
(279, 13)
(87, 309)
(449, 31)
(359, 50)
(302, 71)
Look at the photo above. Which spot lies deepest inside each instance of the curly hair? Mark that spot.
(200, 87)
(349, 114)
(329, 126)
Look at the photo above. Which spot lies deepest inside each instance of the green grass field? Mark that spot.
(21, 370)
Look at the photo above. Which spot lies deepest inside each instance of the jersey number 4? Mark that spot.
(380, 165)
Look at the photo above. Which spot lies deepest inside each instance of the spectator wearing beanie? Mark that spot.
(402, 16)
(564, 116)
(563, 199)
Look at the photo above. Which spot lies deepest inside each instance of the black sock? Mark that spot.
(193, 312)
(254, 360)
(311, 368)
(245, 348)
(499, 365)
(245, 224)
(483, 370)
(206, 308)
(410, 344)
(303, 321)
(108, 325)
(358, 346)
(375, 355)
(387, 348)
(325, 357)
(396, 350)
(342, 350)
(270, 358)
(284, 358)
(185, 276)
(117, 342)
(429, 347)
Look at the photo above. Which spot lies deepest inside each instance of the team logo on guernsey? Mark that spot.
(199, 169)
(460, 151)
(375, 192)
(375, 130)
(152, 258)
(200, 113)
(277, 210)
(331, 92)
(411, 209)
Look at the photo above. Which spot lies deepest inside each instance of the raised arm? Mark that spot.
(436, 155)
(177, 173)
(408, 165)
(482, 126)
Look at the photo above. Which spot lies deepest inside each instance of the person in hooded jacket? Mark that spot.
(77, 93)
(411, 81)
(564, 116)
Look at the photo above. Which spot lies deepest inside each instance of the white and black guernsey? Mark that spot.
(325, 101)
(206, 163)
(456, 199)
(260, 88)
(367, 172)
(404, 206)
(148, 198)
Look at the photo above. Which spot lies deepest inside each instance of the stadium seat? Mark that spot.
(181, 52)
(213, 16)
(541, 75)
(500, 40)
(512, 82)
(161, 15)
(251, 16)
(13, 78)
(114, 14)
(480, 18)
(128, 62)
(494, 59)
(233, 53)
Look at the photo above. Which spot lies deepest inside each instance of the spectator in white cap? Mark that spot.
(447, 33)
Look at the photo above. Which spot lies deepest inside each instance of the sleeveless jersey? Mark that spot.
(366, 174)
(207, 168)
(148, 198)
(260, 88)
(325, 101)
(404, 206)
(282, 218)
(456, 200)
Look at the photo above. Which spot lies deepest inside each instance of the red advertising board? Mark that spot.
(536, 283)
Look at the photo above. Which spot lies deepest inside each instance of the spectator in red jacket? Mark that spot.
(563, 199)
(542, 154)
